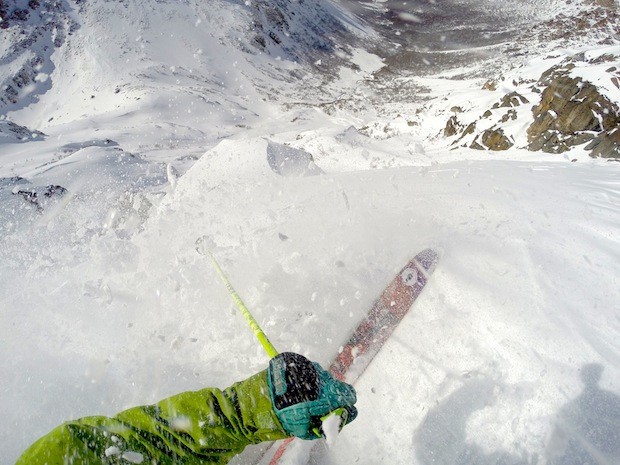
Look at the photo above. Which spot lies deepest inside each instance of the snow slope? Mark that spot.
(511, 355)
(525, 296)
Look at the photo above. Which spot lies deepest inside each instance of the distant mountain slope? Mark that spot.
(97, 56)
(31, 32)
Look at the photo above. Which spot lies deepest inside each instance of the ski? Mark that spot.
(370, 335)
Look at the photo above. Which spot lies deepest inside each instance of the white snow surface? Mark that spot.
(510, 355)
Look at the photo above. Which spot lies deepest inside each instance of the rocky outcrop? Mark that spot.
(40, 197)
(14, 13)
(569, 111)
(492, 139)
(573, 112)
(513, 99)
(453, 127)
(486, 133)
(606, 144)
(592, 23)
(4, 14)
(11, 132)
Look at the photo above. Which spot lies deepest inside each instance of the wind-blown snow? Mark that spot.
(511, 354)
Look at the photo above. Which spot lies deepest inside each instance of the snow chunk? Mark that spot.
(410, 18)
(112, 450)
(331, 428)
(291, 162)
(181, 423)
(133, 457)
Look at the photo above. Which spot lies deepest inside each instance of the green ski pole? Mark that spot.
(258, 332)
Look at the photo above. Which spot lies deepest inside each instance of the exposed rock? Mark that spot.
(40, 197)
(550, 142)
(513, 99)
(480, 136)
(469, 129)
(11, 132)
(475, 145)
(4, 14)
(13, 182)
(602, 17)
(580, 138)
(604, 3)
(511, 115)
(570, 112)
(606, 144)
(490, 85)
(576, 106)
(301, 35)
(492, 139)
(16, 14)
(452, 127)
(30, 28)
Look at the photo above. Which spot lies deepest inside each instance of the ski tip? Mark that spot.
(428, 258)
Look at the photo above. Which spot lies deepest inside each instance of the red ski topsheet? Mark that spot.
(383, 317)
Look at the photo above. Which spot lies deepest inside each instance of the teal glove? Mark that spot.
(303, 394)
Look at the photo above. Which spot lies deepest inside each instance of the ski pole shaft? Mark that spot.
(258, 332)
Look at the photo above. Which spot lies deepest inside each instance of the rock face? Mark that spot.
(487, 132)
(575, 104)
(606, 144)
(513, 99)
(305, 34)
(571, 112)
(495, 139)
(14, 13)
(11, 132)
(32, 31)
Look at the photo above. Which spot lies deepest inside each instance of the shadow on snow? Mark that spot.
(586, 430)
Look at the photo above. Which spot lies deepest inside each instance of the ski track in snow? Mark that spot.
(511, 354)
